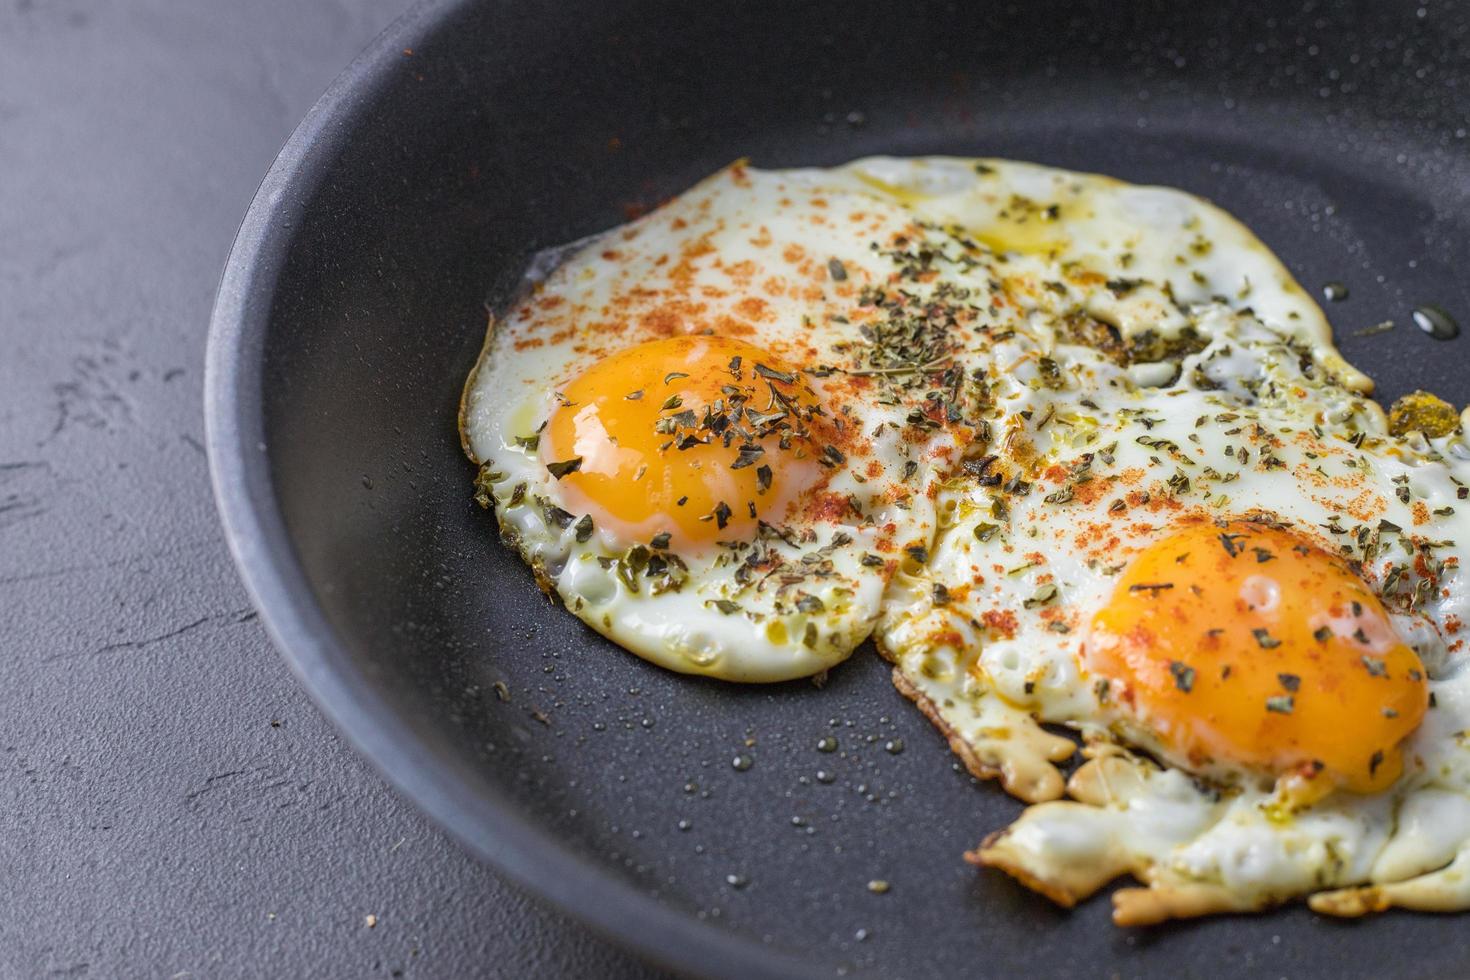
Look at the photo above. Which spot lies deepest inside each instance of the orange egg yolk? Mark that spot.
(696, 437)
(1247, 647)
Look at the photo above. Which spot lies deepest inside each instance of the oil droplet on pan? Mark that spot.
(1436, 322)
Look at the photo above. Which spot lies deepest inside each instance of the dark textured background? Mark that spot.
(171, 804)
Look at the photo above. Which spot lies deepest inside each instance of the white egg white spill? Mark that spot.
(1075, 453)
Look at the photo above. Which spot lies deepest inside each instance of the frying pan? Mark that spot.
(473, 134)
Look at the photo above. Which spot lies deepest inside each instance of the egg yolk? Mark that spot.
(697, 437)
(1245, 646)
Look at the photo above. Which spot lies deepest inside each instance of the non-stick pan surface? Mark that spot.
(474, 134)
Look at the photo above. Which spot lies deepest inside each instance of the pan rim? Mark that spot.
(487, 822)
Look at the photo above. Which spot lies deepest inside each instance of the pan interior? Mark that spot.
(509, 128)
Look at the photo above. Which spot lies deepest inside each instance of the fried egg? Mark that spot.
(1079, 454)
(714, 432)
(1214, 560)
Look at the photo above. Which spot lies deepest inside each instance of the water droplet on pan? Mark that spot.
(1436, 322)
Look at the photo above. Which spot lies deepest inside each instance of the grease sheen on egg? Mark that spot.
(1244, 646)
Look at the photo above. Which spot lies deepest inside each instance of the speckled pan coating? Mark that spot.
(418, 188)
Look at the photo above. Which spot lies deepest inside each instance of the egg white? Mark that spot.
(1141, 329)
(1021, 572)
(792, 262)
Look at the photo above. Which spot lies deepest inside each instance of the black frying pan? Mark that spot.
(475, 133)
